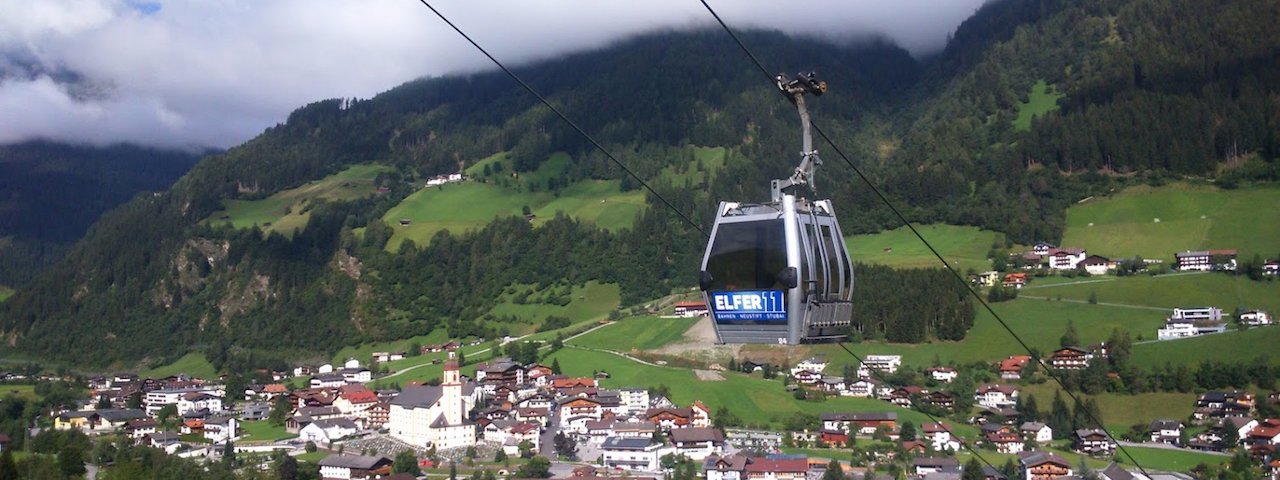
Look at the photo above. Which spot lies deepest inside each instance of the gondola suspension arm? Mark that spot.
(795, 89)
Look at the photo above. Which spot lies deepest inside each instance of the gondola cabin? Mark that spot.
(777, 273)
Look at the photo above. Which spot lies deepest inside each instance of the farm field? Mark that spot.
(1040, 101)
(1040, 323)
(1229, 346)
(283, 211)
(753, 399)
(964, 247)
(472, 205)
(22, 390)
(636, 333)
(1190, 217)
(1169, 291)
(193, 364)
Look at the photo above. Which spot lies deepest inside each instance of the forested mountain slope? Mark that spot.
(50, 193)
(937, 134)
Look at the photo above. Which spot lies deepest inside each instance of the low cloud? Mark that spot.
(197, 73)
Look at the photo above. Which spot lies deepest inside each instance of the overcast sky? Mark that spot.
(217, 72)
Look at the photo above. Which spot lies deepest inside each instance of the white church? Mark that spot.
(429, 416)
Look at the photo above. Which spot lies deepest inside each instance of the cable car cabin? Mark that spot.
(777, 273)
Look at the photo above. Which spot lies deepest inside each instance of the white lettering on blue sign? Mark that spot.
(749, 306)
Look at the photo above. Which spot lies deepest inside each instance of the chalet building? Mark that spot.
(1041, 248)
(860, 423)
(902, 396)
(740, 467)
(1011, 368)
(923, 466)
(1205, 260)
(943, 374)
(1004, 438)
(941, 400)
(996, 395)
(697, 443)
(1093, 441)
(939, 436)
(335, 467)
(634, 454)
(1223, 404)
(1014, 280)
(500, 372)
(1036, 432)
(1166, 431)
(1065, 258)
(1097, 265)
(985, 279)
(1070, 358)
(1043, 466)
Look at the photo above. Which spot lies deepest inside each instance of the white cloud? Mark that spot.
(216, 72)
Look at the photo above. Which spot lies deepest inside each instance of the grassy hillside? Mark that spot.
(193, 364)
(591, 301)
(700, 169)
(1233, 346)
(1156, 222)
(636, 333)
(473, 204)
(1120, 411)
(1040, 323)
(1169, 291)
(1042, 99)
(5, 293)
(963, 247)
(363, 352)
(285, 211)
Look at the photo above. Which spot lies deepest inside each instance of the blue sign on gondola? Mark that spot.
(749, 306)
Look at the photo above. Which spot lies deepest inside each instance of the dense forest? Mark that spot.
(53, 192)
(937, 134)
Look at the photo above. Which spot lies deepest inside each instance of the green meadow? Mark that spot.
(963, 247)
(286, 211)
(5, 293)
(591, 301)
(1042, 99)
(1156, 222)
(1232, 346)
(699, 170)
(636, 333)
(472, 205)
(1120, 411)
(262, 431)
(1169, 291)
(21, 390)
(193, 364)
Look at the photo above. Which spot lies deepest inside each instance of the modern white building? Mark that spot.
(883, 363)
(636, 400)
(814, 365)
(1066, 258)
(427, 416)
(635, 454)
(1176, 330)
(1255, 318)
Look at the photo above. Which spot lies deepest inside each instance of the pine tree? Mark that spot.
(1060, 417)
(834, 471)
(1030, 410)
(555, 366)
(1070, 338)
(972, 471)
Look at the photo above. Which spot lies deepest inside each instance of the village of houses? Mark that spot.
(520, 410)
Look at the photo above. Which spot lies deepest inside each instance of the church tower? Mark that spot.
(451, 394)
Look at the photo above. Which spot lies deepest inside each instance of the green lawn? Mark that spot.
(1232, 346)
(1168, 460)
(1041, 100)
(1170, 291)
(1040, 323)
(313, 457)
(24, 391)
(193, 364)
(963, 247)
(472, 205)
(5, 293)
(636, 333)
(284, 210)
(262, 431)
(1190, 217)
(753, 399)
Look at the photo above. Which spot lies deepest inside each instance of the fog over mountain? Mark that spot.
(214, 73)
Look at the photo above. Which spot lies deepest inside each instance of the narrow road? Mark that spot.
(1165, 446)
(615, 352)
(1108, 304)
(478, 352)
